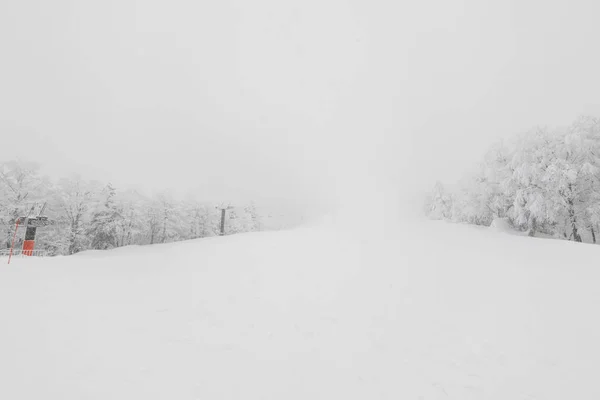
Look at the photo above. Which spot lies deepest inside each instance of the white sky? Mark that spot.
(304, 100)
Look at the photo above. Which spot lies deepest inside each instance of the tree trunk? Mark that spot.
(532, 227)
(593, 234)
(573, 218)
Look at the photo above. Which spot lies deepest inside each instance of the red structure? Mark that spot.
(31, 228)
(31, 224)
(29, 242)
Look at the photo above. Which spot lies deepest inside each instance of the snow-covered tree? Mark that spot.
(531, 206)
(440, 203)
(130, 227)
(152, 222)
(252, 221)
(496, 172)
(90, 215)
(103, 231)
(21, 187)
(573, 175)
(199, 220)
(543, 182)
(233, 223)
(74, 197)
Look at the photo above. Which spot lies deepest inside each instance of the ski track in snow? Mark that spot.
(433, 311)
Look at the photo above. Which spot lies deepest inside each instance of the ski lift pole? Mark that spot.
(13, 241)
(223, 211)
(222, 222)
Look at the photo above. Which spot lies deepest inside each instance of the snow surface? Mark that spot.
(502, 225)
(431, 311)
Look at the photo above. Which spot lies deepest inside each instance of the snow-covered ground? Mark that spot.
(429, 311)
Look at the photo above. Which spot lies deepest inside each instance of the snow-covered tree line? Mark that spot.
(545, 182)
(91, 215)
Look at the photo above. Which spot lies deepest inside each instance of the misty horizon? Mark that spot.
(302, 102)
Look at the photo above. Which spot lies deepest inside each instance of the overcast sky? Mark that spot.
(270, 99)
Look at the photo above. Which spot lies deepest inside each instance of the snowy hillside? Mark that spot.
(439, 312)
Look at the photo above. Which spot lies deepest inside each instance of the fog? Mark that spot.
(311, 103)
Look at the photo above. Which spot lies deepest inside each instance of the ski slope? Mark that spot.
(430, 311)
